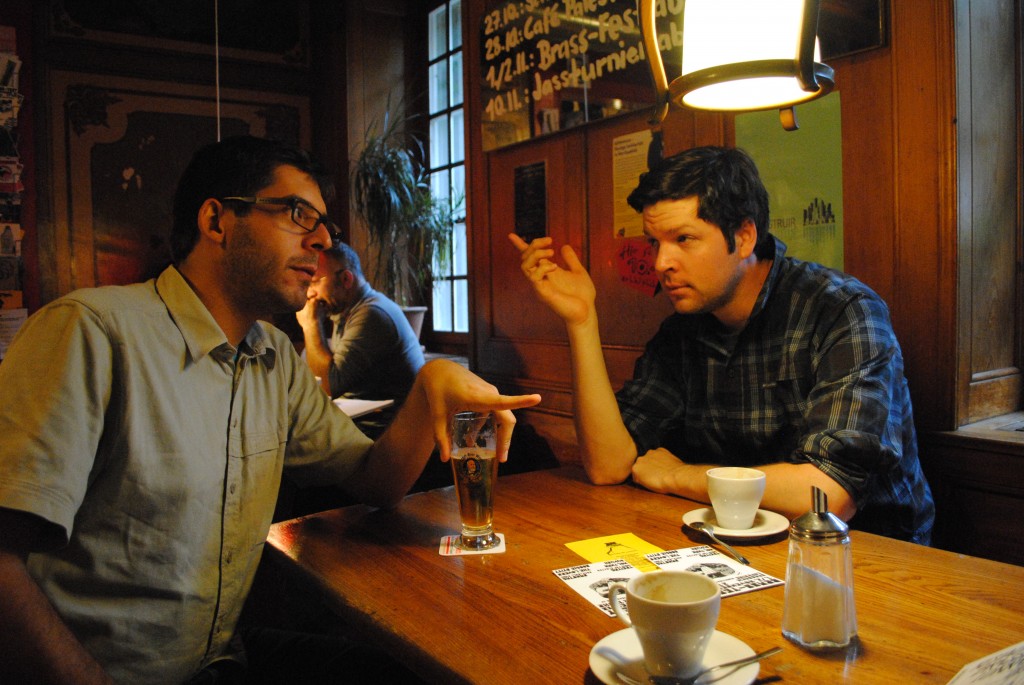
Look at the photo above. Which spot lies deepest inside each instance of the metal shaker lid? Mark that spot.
(819, 523)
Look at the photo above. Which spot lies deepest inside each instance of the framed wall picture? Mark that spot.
(118, 148)
(846, 27)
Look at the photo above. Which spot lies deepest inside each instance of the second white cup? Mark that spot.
(735, 494)
(674, 615)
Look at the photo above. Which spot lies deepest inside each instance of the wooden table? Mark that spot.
(506, 618)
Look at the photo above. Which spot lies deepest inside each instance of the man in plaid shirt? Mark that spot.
(768, 362)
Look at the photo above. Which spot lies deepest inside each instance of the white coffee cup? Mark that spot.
(735, 494)
(674, 615)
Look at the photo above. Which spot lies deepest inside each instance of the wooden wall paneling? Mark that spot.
(684, 128)
(477, 182)
(275, 36)
(331, 141)
(869, 198)
(978, 486)
(965, 193)
(713, 129)
(272, 51)
(989, 157)
(519, 339)
(378, 74)
(924, 156)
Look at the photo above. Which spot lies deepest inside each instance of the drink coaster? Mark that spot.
(450, 547)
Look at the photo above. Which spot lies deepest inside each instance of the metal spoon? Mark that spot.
(709, 530)
(713, 673)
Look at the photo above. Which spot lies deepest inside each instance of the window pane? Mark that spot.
(436, 270)
(437, 33)
(456, 78)
(458, 136)
(461, 307)
(446, 160)
(437, 76)
(459, 250)
(440, 186)
(442, 309)
(459, 191)
(439, 141)
(456, 24)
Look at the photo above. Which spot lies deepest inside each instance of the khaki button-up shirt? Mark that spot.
(156, 449)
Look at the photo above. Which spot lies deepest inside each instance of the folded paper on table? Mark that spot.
(625, 546)
(733, 578)
(1005, 667)
(591, 581)
(354, 407)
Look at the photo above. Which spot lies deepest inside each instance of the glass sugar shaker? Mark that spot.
(819, 613)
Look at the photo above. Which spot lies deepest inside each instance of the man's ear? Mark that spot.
(348, 279)
(211, 213)
(746, 238)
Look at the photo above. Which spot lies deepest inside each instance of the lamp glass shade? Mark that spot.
(766, 35)
(765, 92)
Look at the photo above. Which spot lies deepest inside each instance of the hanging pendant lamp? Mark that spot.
(741, 55)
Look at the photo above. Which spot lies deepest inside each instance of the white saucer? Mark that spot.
(620, 652)
(765, 523)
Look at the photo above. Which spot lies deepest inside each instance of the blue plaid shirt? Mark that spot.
(815, 376)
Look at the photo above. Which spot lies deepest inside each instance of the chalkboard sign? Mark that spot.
(549, 65)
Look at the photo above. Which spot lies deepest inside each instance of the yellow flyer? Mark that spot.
(625, 546)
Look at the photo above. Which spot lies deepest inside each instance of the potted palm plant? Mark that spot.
(408, 226)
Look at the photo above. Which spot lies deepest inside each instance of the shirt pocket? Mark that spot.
(257, 462)
(254, 478)
(260, 444)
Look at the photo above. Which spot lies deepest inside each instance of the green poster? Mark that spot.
(803, 172)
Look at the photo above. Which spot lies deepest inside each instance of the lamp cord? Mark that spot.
(216, 61)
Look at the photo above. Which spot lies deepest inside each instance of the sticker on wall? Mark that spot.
(635, 261)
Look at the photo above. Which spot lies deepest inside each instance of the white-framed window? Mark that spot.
(447, 160)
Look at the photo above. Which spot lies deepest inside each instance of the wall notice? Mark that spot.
(531, 201)
(629, 160)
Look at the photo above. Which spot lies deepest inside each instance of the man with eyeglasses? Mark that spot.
(372, 352)
(304, 215)
(143, 433)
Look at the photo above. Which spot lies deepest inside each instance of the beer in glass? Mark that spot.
(476, 469)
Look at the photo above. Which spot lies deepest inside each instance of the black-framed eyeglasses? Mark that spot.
(304, 215)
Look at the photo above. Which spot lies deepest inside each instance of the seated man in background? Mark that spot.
(372, 352)
(769, 361)
(143, 433)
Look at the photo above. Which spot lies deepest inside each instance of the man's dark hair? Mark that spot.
(235, 167)
(726, 184)
(346, 257)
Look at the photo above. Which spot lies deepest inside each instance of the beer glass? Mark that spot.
(476, 469)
